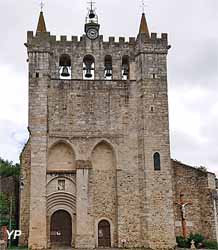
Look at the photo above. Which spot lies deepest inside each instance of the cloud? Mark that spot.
(192, 64)
(13, 138)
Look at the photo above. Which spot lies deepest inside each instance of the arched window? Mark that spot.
(156, 157)
(108, 68)
(65, 67)
(125, 67)
(89, 67)
(104, 234)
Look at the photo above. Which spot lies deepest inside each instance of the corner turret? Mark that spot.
(41, 27)
(143, 29)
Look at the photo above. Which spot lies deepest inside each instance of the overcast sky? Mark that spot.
(192, 65)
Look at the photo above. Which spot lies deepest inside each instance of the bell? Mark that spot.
(91, 14)
(88, 73)
(108, 73)
(65, 72)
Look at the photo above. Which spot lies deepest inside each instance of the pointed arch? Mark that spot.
(61, 157)
(103, 156)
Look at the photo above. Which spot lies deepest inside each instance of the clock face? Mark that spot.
(92, 34)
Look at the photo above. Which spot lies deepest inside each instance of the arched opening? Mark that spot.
(104, 234)
(61, 229)
(61, 157)
(103, 157)
(65, 67)
(108, 68)
(89, 67)
(156, 158)
(125, 67)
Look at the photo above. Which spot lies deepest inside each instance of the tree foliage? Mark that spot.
(8, 169)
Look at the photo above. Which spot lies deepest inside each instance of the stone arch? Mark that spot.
(103, 156)
(55, 200)
(103, 185)
(61, 201)
(111, 230)
(61, 157)
(61, 221)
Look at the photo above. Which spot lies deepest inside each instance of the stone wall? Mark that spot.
(25, 194)
(197, 188)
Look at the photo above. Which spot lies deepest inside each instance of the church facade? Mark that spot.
(96, 171)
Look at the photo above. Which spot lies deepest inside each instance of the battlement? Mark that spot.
(111, 41)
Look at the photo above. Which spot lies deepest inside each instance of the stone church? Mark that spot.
(96, 170)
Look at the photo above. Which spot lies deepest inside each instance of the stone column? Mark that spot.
(84, 230)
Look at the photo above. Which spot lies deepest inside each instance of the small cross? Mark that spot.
(143, 5)
(91, 3)
(42, 5)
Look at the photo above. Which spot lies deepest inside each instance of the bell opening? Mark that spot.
(108, 67)
(88, 67)
(65, 67)
(125, 67)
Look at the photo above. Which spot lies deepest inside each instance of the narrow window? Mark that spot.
(89, 67)
(108, 70)
(125, 68)
(156, 157)
(65, 67)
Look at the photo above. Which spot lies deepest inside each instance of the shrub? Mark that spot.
(210, 244)
(182, 242)
(197, 238)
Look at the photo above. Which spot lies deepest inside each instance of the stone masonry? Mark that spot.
(92, 145)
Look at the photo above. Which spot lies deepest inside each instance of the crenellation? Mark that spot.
(121, 40)
(53, 39)
(153, 36)
(132, 40)
(63, 38)
(30, 35)
(74, 39)
(101, 38)
(111, 39)
(164, 36)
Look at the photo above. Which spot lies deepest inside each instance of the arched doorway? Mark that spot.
(104, 234)
(61, 229)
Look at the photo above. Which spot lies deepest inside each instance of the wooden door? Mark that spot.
(104, 234)
(61, 229)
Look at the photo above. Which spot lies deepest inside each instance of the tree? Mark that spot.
(9, 169)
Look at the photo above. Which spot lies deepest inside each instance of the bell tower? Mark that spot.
(99, 150)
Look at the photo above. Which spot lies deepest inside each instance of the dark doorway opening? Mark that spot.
(104, 234)
(61, 229)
